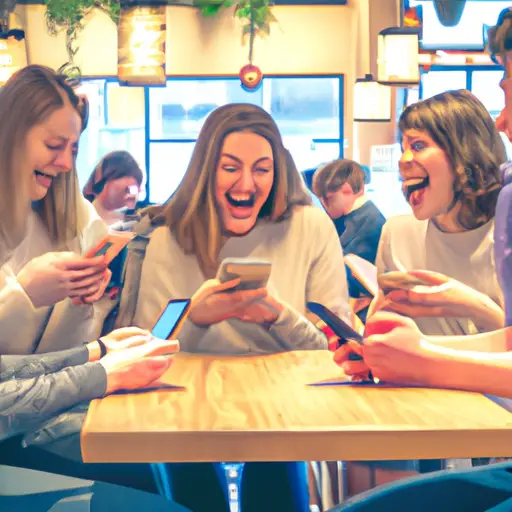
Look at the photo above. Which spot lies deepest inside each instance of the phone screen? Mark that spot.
(102, 250)
(170, 318)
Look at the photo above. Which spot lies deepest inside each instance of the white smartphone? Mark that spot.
(397, 280)
(253, 273)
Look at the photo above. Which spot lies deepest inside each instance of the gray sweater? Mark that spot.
(33, 388)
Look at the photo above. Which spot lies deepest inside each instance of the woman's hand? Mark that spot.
(96, 295)
(52, 277)
(393, 350)
(137, 367)
(215, 302)
(264, 311)
(442, 297)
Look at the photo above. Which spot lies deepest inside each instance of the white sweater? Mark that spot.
(307, 265)
(25, 329)
(410, 244)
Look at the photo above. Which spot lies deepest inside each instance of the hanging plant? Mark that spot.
(257, 17)
(68, 15)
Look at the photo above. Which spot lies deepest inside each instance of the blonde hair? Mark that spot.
(28, 98)
(461, 126)
(191, 213)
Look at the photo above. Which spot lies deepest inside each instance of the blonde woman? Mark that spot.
(33, 388)
(46, 274)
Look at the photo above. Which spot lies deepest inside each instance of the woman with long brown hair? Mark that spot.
(242, 197)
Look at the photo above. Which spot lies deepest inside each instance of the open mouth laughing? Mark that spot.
(240, 206)
(44, 179)
(414, 188)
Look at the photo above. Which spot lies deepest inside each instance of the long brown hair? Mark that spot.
(461, 126)
(191, 213)
(28, 98)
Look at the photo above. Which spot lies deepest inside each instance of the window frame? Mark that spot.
(147, 129)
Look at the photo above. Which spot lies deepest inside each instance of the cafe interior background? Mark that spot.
(311, 59)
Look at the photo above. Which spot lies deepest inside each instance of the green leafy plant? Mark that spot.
(68, 15)
(256, 16)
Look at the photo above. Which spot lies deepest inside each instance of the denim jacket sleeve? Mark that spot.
(27, 403)
(34, 365)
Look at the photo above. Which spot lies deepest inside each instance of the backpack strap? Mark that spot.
(128, 276)
(132, 270)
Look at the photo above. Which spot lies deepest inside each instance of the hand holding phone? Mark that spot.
(350, 340)
(397, 280)
(253, 273)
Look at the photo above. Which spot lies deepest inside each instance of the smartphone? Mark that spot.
(171, 319)
(253, 273)
(397, 280)
(339, 326)
(344, 331)
(111, 245)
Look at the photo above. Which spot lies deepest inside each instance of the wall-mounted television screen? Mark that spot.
(468, 34)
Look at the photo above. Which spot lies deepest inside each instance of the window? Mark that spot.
(116, 122)
(307, 111)
(483, 82)
(435, 82)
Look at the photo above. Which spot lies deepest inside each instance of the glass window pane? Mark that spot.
(385, 191)
(303, 106)
(485, 85)
(436, 82)
(115, 124)
(178, 110)
(308, 154)
(169, 161)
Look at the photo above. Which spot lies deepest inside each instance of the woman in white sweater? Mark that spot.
(242, 197)
(450, 171)
(47, 287)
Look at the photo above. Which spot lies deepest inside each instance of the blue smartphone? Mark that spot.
(171, 319)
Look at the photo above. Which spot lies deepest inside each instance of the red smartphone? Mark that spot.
(171, 319)
(111, 245)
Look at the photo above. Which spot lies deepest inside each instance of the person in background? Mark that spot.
(340, 187)
(34, 388)
(113, 188)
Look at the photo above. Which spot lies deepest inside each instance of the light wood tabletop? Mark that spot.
(261, 408)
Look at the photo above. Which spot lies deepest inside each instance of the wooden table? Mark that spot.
(261, 408)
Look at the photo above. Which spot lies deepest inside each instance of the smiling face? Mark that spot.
(51, 148)
(427, 175)
(243, 181)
